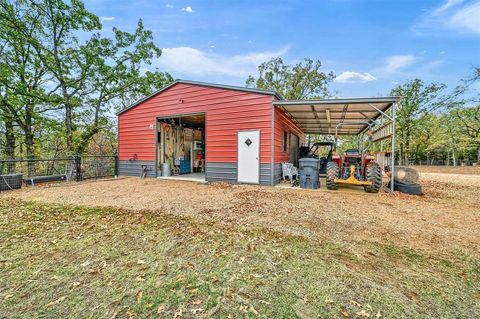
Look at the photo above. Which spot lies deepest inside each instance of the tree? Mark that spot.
(418, 101)
(23, 78)
(114, 81)
(47, 68)
(467, 111)
(469, 124)
(300, 81)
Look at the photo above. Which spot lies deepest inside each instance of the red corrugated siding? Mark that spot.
(284, 123)
(227, 112)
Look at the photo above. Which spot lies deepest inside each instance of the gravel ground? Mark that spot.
(447, 217)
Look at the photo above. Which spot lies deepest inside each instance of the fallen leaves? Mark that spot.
(253, 310)
(362, 313)
(139, 296)
(197, 310)
(161, 309)
(178, 314)
(55, 302)
(197, 301)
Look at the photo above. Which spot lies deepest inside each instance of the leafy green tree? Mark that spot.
(468, 122)
(299, 81)
(418, 101)
(130, 53)
(48, 69)
(23, 77)
(467, 111)
(68, 63)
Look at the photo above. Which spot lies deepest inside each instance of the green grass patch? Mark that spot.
(80, 262)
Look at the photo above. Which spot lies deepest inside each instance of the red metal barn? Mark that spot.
(218, 132)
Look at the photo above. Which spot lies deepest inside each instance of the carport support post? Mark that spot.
(393, 149)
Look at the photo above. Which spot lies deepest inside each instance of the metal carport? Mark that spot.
(346, 116)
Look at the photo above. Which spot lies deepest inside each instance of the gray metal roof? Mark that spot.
(220, 86)
(323, 116)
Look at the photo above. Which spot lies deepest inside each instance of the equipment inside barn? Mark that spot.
(181, 143)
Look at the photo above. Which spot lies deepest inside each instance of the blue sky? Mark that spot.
(370, 45)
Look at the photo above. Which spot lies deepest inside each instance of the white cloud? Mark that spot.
(446, 6)
(107, 18)
(169, 6)
(354, 77)
(454, 17)
(188, 9)
(191, 61)
(397, 62)
(431, 66)
(467, 18)
(442, 52)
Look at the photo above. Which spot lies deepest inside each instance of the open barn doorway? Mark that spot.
(181, 147)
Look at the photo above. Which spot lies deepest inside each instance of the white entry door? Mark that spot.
(249, 157)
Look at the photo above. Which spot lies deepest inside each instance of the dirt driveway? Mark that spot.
(447, 217)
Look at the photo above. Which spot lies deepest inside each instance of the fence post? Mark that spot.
(30, 167)
(78, 167)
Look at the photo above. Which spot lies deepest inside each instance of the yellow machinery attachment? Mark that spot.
(351, 180)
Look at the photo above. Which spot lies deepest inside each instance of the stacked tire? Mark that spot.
(406, 181)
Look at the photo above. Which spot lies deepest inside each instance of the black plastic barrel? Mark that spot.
(308, 173)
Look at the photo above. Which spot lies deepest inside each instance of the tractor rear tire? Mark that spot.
(373, 174)
(332, 174)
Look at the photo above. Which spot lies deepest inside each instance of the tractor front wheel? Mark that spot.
(332, 174)
(373, 174)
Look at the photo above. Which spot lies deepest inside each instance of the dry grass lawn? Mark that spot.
(153, 248)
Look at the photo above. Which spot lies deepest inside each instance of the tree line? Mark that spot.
(63, 76)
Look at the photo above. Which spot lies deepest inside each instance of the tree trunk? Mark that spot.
(478, 154)
(400, 156)
(9, 139)
(69, 127)
(28, 131)
(407, 147)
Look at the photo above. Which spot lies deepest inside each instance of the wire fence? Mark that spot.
(17, 172)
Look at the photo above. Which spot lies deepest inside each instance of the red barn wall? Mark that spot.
(227, 112)
(284, 124)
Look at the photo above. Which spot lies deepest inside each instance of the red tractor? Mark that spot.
(354, 168)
